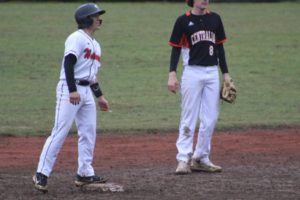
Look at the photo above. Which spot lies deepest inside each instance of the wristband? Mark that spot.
(96, 90)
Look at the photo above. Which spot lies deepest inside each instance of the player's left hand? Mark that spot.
(228, 89)
(103, 103)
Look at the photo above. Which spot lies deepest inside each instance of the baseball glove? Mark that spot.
(228, 91)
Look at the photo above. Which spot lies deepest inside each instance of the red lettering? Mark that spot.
(97, 58)
(89, 55)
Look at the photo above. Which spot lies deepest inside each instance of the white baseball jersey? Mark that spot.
(185, 56)
(88, 54)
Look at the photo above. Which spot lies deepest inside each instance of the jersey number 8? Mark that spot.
(211, 50)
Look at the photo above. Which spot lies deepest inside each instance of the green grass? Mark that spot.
(262, 53)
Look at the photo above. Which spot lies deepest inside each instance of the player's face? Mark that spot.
(201, 4)
(96, 22)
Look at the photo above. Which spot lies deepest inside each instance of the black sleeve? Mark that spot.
(220, 34)
(222, 59)
(69, 63)
(177, 33)
(175, 54)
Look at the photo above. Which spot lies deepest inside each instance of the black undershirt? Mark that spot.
(222, 58)
(69, 63)
(175, 54)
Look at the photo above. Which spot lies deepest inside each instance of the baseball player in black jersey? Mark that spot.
(198, 36)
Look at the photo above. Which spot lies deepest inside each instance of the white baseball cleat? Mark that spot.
(197, 165)
(183, 168)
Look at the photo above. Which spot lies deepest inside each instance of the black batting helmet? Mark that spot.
(84, 12)
(190, 3)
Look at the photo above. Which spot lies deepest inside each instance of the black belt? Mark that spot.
(83, 82)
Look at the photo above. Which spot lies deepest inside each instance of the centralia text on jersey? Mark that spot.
(203, 36)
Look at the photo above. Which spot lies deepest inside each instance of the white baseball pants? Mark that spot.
(200, 94)
(84, 115)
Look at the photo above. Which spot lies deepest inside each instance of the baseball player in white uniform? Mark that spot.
(74, 99)
(199, 36)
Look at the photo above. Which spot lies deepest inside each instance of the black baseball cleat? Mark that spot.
(83, 180)
(40, 182)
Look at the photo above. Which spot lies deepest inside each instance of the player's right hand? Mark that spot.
(74, 98)
(172, 82)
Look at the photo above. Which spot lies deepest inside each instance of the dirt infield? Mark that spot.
(257, 164)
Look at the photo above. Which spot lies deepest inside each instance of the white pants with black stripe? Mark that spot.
(200, 90)
(84, 115)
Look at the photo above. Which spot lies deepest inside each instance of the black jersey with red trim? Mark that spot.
(201, 34)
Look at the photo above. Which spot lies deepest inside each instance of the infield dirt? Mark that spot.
(257, 164)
